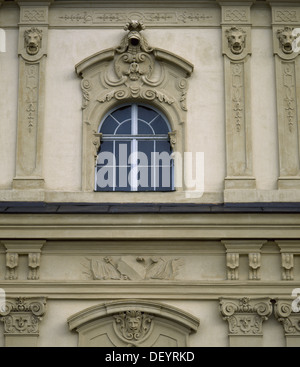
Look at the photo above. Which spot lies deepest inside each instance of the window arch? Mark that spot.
(135, 151)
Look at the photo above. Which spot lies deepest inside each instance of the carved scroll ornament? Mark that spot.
(245, 316)
(23, 315)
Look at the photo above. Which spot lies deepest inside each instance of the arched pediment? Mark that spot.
(133, 72)
(133, 323)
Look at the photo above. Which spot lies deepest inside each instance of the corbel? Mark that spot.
(15, 249)
(235, 248)
(288, 248)
(236, 44)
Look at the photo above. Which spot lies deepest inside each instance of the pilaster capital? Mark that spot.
(245, 316)
(287, 313)
(21, 316)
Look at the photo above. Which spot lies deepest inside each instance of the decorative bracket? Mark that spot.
(14, 249)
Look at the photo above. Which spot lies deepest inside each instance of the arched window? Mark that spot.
(135, 151)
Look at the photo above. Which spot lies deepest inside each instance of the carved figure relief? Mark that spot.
(131, 268)
(33, 40)
(236, 39)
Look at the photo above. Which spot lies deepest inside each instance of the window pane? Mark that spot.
(146, 114)
(109, 126)
(144, 128)
(122, 114)
(149, 167)
(123, 151)
(124, 128)
(160, 126)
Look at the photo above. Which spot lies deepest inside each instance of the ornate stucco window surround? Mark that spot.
(133, 72)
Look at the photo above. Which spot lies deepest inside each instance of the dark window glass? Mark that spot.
(135, 152)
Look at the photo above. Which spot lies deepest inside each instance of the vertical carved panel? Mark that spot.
(33, 32)
(287, 86)
(237, 50)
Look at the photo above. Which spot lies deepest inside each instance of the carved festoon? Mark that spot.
(245, 316)
(22, 315)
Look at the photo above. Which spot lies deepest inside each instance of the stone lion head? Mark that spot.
(33, 40)
(236, 40)
(286, 38)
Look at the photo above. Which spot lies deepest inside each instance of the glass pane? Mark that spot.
(103, 157)
(122, 114)
(124, 128)
(163, 146)
(144, 128)
(123, 151)
(145, 148)
(109, 126)
(146, 114)
(160, 126)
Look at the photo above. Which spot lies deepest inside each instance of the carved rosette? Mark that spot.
(245, 316)
(290, 320)
(133, 326)
(22, 315)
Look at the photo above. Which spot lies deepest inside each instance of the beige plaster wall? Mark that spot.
(213, 331)
(63, 121)
(8, 108)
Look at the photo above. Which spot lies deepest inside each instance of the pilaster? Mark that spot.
(236, 39)
(245, 318)
(286, 30)
(33, 34)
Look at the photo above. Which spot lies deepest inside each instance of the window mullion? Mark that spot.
(134, 147)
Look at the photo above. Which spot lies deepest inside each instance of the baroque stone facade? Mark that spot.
(214, 262)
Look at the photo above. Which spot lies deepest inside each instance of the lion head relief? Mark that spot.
(286, 38)
(33, 40)
(236, 40)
